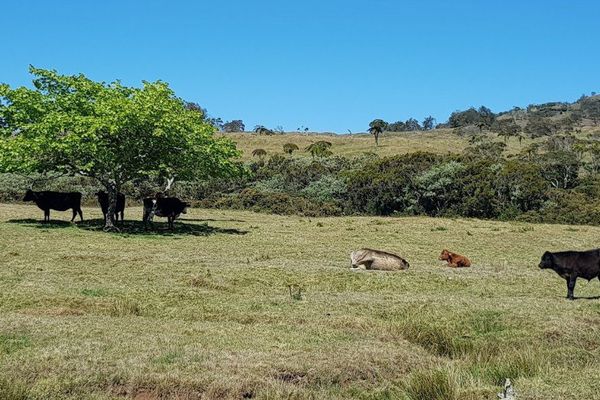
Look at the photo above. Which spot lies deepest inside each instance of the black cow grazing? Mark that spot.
(169, 207)
(47, 201)
(103, 200)
(572, 265)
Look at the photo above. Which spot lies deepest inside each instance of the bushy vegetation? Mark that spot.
(554, 181)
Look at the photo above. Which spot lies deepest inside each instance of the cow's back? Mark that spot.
(379, 260)
(58, 200)
(585, 264)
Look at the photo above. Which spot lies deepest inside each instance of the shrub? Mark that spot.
(277, 203)
(431, 385)
(327, 189)
(566, 207)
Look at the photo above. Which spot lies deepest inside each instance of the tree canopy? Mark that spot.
(108, 131)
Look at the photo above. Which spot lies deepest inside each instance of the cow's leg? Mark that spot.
(47, 215)
(170, 220)
(74, 214)
(571, 286)
(80, 214)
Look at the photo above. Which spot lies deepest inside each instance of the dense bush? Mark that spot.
(546, 183)
(277, 203)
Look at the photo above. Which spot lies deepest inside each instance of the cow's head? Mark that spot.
(445, 255)
(29, 196)
(185, 207)
(405, 263)
(547, 261)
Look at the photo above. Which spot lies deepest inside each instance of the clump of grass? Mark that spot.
(206, 280)
(524, 229)
(125, 307)
(295, 292)
(167, 358)
(10, 343)
(93, 292)
(475, 336)
(262, 257)
(439, 229)
(431, 385)
(319, 224)
(486, 322)
(510, 362)
(13, 390)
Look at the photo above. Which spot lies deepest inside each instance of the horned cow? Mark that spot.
(169, 207)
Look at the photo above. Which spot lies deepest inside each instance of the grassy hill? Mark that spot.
(439, 141)
(207, 313)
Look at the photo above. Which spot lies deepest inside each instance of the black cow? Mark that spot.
(47, 201)
(103, 200)
(169, 207)
(572, 265)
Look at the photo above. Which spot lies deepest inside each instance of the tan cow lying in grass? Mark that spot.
(377, 259)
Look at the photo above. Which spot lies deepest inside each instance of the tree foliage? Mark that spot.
(236, 125)
(320, 149)
(289, 148)
(111, 132)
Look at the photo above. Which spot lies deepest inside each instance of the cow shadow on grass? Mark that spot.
(587, 297)
(133, 227)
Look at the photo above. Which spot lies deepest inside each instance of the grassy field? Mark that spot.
(206, 312)
(438, 141)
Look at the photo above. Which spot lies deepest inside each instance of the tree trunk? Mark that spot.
(112, 190)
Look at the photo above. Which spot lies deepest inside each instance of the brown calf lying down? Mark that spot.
(455, 260)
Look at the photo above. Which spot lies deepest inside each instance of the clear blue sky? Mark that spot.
(329, 65)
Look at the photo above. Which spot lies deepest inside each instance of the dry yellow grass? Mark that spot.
(438, 141)
(206, 312)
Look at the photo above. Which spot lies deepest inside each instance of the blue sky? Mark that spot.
(328, 65)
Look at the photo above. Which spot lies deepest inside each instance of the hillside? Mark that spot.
(206, 312)
(440, 141)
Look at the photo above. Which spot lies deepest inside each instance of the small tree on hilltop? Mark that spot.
(320, 149)
(237, 125)
(110, 132)
(428, 123)
(260, 153)
(262, 130)
(376, 128)
(289, 148)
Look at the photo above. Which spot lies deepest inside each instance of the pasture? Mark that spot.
(440, 141)
(241, 305)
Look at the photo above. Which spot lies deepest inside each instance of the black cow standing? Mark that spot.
(169, 207)
(47, 201)
(103, 200)
(572, 265)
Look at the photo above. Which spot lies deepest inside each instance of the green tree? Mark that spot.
(289, 148)
(260, 153)
(110, 132)
(320, 149)
(428, 123)
(376, 128)
(262, 130)
(237, 125)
